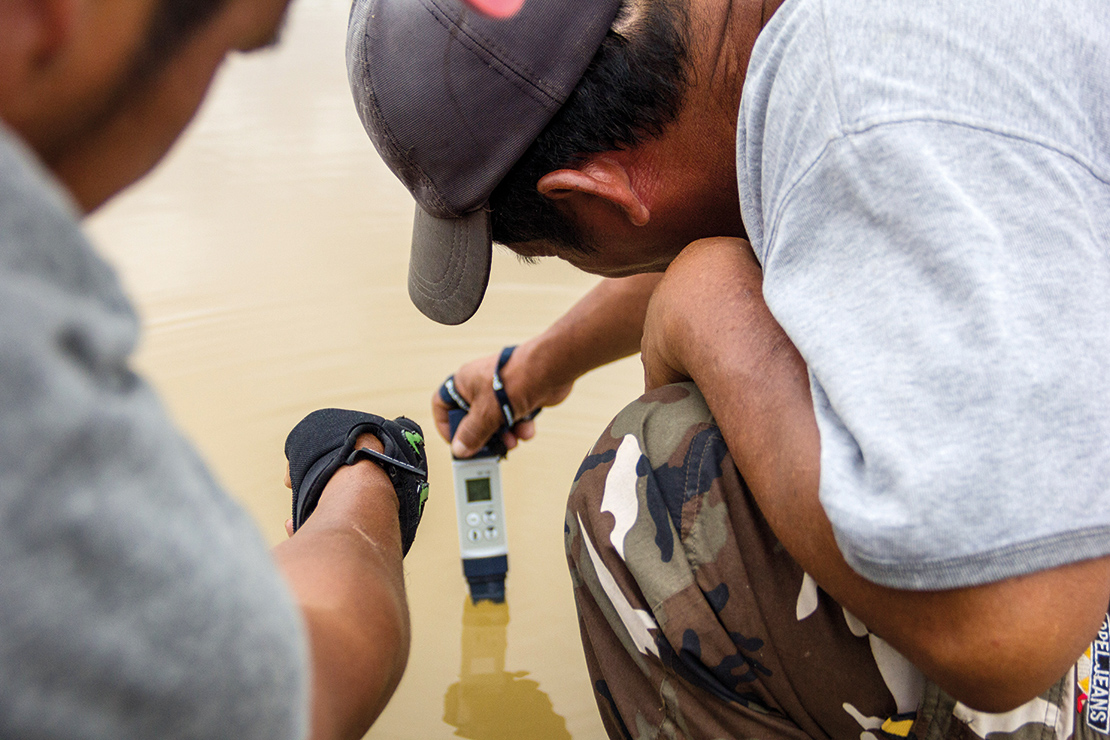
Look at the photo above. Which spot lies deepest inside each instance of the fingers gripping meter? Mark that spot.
(480, 510)
(478, 503)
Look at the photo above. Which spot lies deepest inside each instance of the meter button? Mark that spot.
(474, 535)
(473, 519)
(491, 533)
(489, 517)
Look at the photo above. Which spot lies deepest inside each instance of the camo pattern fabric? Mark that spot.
(696, 623)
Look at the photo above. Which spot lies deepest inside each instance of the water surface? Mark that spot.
(268, 257)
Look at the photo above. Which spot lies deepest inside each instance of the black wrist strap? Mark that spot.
(450, 394)
(499, 388)
(365, 453)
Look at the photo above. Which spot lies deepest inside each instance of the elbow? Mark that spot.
(997, 647)
(1000, 679)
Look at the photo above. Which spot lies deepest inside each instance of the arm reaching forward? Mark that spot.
(344, 566)
(359, 486)
(605, 325)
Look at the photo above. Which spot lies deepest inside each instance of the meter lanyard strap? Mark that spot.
(499, 387)
(502, 396)
(450, 394)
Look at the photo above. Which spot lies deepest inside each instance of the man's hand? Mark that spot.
(327, 439)
(605, 325)
(527, 385)
(365, 440)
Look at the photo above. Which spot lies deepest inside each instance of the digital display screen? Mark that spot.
(478, 489)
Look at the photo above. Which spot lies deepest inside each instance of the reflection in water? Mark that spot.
(488, 703)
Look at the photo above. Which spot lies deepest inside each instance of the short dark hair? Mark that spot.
(172, 24)
(633, 88)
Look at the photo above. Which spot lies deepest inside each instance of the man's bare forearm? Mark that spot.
(603, 326)
(993, 647)
(344, 568)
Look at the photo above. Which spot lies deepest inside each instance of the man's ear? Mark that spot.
(600, 176)
(32, 34)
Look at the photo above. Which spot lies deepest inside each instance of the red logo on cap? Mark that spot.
(497, 8)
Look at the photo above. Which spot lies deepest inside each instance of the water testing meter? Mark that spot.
(480, 509)
(481, 522)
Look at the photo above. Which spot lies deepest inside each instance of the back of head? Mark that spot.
(632, 89)
(463, 107)
(172, 24)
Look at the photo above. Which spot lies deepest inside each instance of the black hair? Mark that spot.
(632, 89)
(172, 24)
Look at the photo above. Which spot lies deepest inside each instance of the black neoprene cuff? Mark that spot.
(325, 440)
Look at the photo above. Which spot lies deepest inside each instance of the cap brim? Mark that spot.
(449, 267)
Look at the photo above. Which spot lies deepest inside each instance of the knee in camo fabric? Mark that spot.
(649, 540)
(692, 613)
(642, 563)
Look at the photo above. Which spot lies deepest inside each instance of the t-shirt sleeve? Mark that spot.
(949, 288)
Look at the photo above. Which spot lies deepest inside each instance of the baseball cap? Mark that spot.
(452, 99)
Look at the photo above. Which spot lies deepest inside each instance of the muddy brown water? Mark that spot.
(268, 257)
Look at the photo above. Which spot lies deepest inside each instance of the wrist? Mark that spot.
(363, 475)
(524, 373)
(357, 493)
(544, 361)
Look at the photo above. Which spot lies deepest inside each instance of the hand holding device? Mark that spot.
(479, 504)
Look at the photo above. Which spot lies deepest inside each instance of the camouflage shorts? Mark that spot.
(696, 623)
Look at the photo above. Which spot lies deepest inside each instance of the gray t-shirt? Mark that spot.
(927, 186)
(136, 599)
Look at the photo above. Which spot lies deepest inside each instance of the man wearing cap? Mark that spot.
(881, 505)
